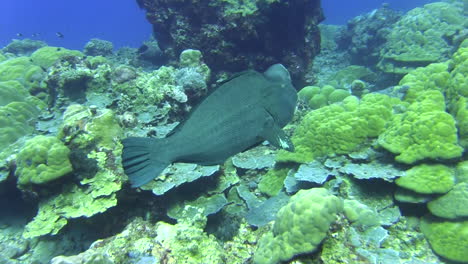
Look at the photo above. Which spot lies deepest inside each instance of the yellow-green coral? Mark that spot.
(11, 91)
(16, 119)
(339, 128)
(428, 179)
(453, 204)
(449, 78)
(317, 97)
(420, 37)
(457, 91)
(47, 56)
(424, 131)
(90, 132)
(300, 226)
(23, 70)
(92, 196)
(272, 182)
(41, 160)
(447, 238)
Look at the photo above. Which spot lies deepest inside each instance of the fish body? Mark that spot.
(246, 110)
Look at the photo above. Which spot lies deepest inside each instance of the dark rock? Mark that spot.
(236, 36)
(367, 33)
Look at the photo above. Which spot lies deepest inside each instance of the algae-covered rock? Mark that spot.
(41, 160)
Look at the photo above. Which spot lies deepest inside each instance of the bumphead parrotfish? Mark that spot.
(241, 113)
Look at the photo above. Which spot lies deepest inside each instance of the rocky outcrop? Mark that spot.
(235, 35)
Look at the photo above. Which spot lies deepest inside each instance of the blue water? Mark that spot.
(119, 21)
(122, 22)
(340, 11)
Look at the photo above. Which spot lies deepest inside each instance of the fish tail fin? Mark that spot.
(139, 162)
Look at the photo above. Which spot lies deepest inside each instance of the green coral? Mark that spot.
(424, 131)
(17, 119)
(12, 91)
(300, 226)
(47, 56)
(317, 97)
(453, 204)
(457, 91)
(74, 202)
(428, 179)
(408, 196)
(92, 196)
(359, 214)
(272, 182)
(83, 127)
(91, 133)
(449, 78)
(105, 129)
(23, 70)
(461, 172)
(339, 128)
(41, 160)
(447, 238)
(432, 77)
(420, 37)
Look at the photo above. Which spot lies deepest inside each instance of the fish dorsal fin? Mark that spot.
(273, 133)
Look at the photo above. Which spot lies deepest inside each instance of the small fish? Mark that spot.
(19, 34)
(59, 35)
(238, 115)
(35, 35)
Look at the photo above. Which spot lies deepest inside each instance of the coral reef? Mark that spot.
(379, 173)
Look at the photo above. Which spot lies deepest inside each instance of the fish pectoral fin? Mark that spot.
(276, 136)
